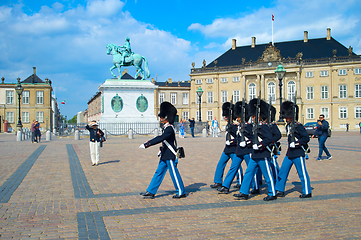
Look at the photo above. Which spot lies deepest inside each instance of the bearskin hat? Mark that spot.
(225, 110)
(273, 113)
(238, 110)
(167, 110)
(286, 109)
(263, 108)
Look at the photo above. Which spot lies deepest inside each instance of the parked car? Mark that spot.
(310, 127)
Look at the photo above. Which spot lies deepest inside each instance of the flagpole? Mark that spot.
(272, 29)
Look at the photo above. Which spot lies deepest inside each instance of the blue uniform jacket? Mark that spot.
(322, 131)
(248, 133)
(169, 135)
(94, 136)
(301, 139)
(276, 133)
(233, 146)
(266, 136)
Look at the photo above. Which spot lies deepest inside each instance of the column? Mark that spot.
(263, 91)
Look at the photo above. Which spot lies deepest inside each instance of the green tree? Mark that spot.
(73, 120)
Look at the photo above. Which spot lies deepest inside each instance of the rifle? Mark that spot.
(230, 120)
(243, 117)
(256, 130)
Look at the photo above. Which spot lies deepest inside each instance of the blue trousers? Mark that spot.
(257, 178)
(275, 167)
(235, 168)
(301, 170)
(264, 165)
(322, 147)
(192, 131)
(218, 175)
(159, 174)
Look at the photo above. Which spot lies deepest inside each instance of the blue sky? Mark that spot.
(66, 40)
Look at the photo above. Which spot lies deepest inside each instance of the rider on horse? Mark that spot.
(127, 50)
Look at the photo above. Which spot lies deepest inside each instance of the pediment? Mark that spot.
(271, 54)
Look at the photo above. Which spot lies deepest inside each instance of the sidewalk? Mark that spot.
(52, 191)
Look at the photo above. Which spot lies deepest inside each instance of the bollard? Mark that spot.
(76, 135)
(23, 135)
(204, 132)
(18, 136)
(48, 135)
(54, 131)
(156, 132)
(130, 134)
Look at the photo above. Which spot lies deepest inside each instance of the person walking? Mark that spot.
(347, 126)
(215, 127)
(359, 124)
(322, 133)
(95, 137)
(37, 131)
(191, 126)
(168, 159)
(33, 131)
(181, 129)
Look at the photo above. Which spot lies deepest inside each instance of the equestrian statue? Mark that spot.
(123, 56)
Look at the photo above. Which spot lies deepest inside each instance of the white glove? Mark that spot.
(255, 147)
(242, 144)
(159, 153)
(292, 145)
(142, 146)
(228, 143)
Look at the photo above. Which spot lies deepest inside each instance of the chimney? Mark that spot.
(170, 80)
(253, 42)
(152, 80)
(305, 38)
(328, 34)
(2, 80)
(34, 69)
(234, 44)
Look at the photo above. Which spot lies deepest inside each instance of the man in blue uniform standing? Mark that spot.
(322, 133)
(168, 156)
(297, 143)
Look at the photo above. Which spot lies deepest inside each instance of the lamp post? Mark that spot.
(199, 94)
(19, 90)
(280, 73)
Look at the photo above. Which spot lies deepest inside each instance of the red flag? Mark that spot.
(63, 102)
(273, 17)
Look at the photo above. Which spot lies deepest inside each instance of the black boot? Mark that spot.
(147, 195)
(223, 190)
(216, 185)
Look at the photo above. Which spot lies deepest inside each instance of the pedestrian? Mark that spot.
(262, 138)
(37, 131)
(191, 126)
(359, 124)
(297, 143)
(181, 129)
(33, 131)
(322, 133)
(215, 127)
(95, 138)
(168, 159)
(347, 125)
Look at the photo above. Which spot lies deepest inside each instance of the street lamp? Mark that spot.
(199, 94)
(19, 90)
(280, 73)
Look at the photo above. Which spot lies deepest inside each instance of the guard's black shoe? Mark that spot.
(255, 191)
(241, 196)
(147, 195)
(223, 190)
(180, 196)
(306, 195)
(216, 185)
(269, 198)
(237, 186)
(280, 194)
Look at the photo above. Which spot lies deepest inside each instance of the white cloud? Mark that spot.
(104, 8)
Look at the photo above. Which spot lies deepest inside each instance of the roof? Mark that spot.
(33, 79)
(173, 84)
(128, 76)
(314, 48)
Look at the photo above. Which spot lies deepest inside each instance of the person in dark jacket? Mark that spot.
(322, 133)
(295, 153)
(168, 159)
(95, 135)
(191, 125)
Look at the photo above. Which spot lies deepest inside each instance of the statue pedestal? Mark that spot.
(282, 128)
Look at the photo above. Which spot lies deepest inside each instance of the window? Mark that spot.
(309, 74)
(25, 117)
(309, 93)
(224, 80)
(291, 90)
(10, 117)
(197, 115)
(357, 112)
(40, 116)
(324, 73)
(343, 112)
(9, 97)
(161, 98)
(185, 115)
(209, 80)
(324, 92)
(39, 97)
(271, 88)
(310, 113)
(25, 97)
(224, 96)
(342, 91)
(209, 115)
(251, 91)
(173, 98)
(236, 96)
(325, 111)
(358, 90)
(342, 72)
(198, 81)
(235, 79)
(185, 98)
(357, 70)
(210, 97)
